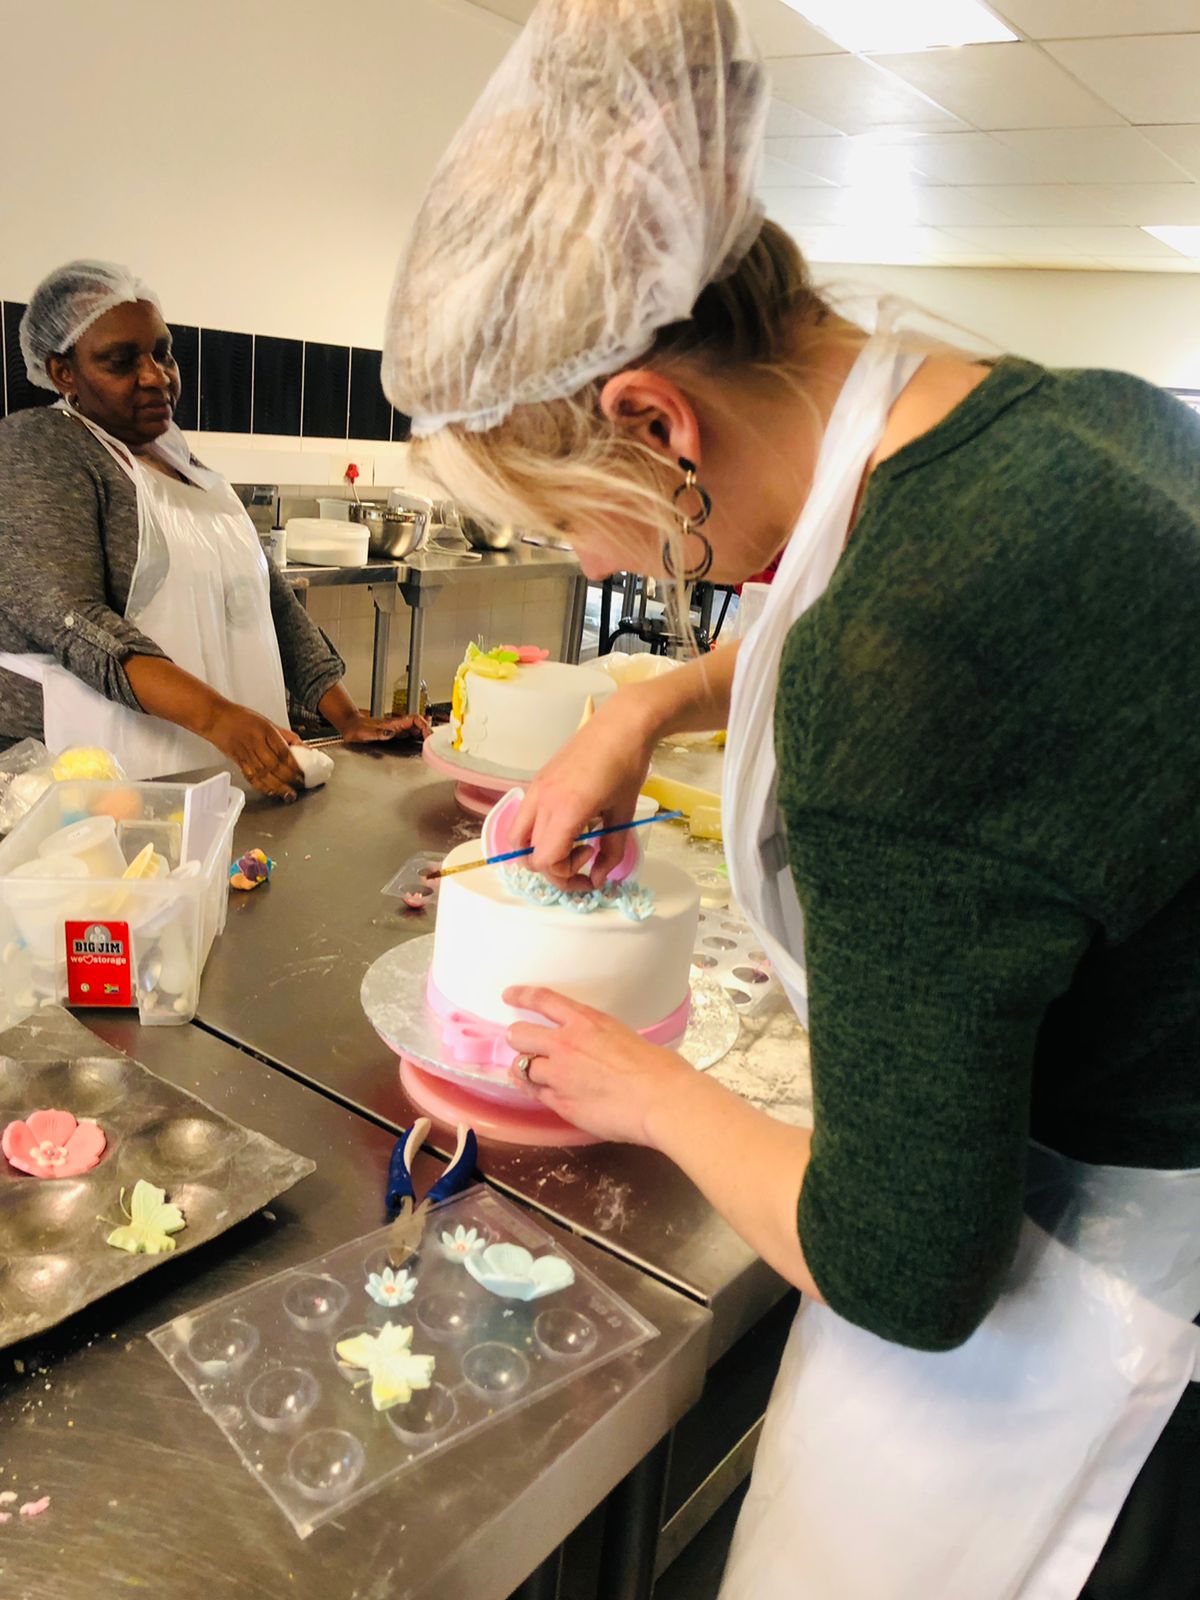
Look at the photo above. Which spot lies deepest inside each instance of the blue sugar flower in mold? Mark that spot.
(391, 1288)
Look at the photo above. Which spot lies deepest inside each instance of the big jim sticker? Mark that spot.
(98, 965)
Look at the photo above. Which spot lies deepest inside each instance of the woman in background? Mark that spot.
(137, 609)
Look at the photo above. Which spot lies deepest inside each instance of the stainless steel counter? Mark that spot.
(147, 1497)
(419, 579)
(283, 981)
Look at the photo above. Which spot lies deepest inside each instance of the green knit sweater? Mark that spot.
(988, 736)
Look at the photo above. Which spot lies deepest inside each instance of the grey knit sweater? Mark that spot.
(68, 546)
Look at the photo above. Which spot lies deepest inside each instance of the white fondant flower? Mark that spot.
(463, 1242)
(391, 1288)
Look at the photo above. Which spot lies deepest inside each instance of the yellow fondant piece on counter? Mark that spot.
(675, 796)
(705, 823)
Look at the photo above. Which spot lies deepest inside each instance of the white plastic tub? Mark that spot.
(105, 940)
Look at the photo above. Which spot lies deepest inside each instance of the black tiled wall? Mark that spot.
(186, 343)
(19, 393)
(243, 383)
(326, 391)
(278, 384)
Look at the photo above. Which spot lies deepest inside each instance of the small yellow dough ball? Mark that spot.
(87, 762)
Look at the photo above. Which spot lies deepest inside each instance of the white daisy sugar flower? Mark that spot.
(391, 1288)
(463, 1242)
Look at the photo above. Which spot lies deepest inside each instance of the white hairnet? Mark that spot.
(66, 303)
(605, 177)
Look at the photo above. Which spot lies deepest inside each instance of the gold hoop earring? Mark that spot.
(690, 522)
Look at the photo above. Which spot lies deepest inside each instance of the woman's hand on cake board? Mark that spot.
(590, 1069)
(601, 1076)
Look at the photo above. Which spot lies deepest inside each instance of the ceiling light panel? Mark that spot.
(903, 25)
(1185, 240)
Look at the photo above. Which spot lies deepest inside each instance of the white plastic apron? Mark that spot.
(201, 590)
(995, 1471)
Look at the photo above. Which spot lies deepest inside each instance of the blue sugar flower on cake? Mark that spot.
(630, 899)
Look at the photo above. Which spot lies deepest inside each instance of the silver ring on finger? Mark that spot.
(522, 1065)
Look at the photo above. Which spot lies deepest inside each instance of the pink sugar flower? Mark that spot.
(52, 1144)
(528, 655)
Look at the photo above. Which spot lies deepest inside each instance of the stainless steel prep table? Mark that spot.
(283, 981)
(147, 1495)
(419, 580)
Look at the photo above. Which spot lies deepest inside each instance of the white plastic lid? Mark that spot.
(51, 867)
(79, 837)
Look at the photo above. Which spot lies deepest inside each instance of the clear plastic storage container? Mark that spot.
(75, 931)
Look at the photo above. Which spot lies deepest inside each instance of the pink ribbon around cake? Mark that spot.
(476, 1042)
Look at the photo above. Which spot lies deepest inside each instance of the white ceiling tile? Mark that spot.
(1026, 245)
(848, 160)
(1095, 19)
(788, 122)
(1126, 264)
(1038, 243)
(1146, 79)
(1140, 204)
(1058, 204)
(949, 207)
(779, 31)
(1001, 86)
(806, 208)
(1091, 155)
(850, 94)
(777, 174)
(1182, 144)
(892, 246)
(514, 10)
(973, 158)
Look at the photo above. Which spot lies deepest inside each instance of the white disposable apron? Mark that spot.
(994, 1471)
(201, 590)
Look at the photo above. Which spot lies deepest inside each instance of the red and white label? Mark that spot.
(99, 972)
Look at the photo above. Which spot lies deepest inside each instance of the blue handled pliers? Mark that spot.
(454, 1179)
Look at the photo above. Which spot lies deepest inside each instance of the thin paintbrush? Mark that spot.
(515, 855)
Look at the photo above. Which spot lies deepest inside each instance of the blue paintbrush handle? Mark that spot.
(596, 833)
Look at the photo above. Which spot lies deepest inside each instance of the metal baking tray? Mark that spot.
(53, 1255)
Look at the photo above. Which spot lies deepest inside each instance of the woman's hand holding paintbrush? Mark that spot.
(527, 850)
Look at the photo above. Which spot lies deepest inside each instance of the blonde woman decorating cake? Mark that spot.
(962, 812)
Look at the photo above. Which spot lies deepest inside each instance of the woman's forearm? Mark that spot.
(167, 691)
(338, 709)
(746, 1164)
(692, 699)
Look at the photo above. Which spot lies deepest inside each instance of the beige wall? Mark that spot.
(1142, 322)
(258, 161)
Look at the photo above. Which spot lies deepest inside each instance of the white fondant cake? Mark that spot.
(488, 938)
(516, 712)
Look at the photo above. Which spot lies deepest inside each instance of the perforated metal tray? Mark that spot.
(53, 1255)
